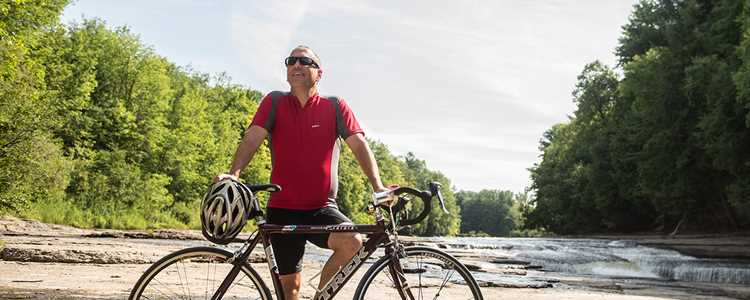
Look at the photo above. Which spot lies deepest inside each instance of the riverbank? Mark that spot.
(44, 261)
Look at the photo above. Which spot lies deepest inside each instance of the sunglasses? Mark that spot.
(303, 60)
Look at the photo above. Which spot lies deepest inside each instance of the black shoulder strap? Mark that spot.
(341, 130)
(275, 95)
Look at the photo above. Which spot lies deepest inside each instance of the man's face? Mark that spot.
(301, 76)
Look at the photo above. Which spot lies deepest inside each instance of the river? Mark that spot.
(606, 258)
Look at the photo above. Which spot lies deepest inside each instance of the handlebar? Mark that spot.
(425, 196)
(384, 199)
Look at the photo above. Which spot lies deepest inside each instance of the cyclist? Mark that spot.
(303, 129)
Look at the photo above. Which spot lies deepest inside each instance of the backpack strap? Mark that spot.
(341, 130)
(271, 121)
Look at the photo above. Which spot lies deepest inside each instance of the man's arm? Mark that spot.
(254, 136)
(366, 160)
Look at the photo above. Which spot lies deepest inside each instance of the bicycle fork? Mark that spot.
(397, 272)
(237, 260)
(399, 279)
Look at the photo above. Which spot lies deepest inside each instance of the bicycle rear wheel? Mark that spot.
(429, 274)
(196, 273)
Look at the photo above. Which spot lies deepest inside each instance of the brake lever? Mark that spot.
(435, 189)
(442, 202)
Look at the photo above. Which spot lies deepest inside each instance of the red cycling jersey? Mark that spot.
(305, 147)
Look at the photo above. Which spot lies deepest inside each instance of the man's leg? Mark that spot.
(344, 246)
(288, 249)
(290, 283)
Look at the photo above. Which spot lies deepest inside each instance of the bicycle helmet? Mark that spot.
(225, 210)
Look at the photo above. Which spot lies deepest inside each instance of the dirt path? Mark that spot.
(42, 261)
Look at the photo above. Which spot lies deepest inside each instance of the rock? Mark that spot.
(606, 286)
(513, 272)
(508, 261)
(532, 285)
(158, 234)
(472, 267)
(408, 243)
(533, 267)
(71, 256)
(257, 258)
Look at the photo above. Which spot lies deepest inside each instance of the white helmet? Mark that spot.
(225, 210)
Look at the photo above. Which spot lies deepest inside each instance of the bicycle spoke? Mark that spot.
(236, 282)
(419, 267)
(166, 286)
(180, 275)
(208, 275)
(447, 277)
(215, 280)
(187, 283)
(430, 271)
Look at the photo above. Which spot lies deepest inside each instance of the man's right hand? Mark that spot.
(221, 177)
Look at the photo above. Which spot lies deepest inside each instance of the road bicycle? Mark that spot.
(400, 273)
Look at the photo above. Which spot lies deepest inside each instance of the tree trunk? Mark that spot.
(679, 224)
(728, 212)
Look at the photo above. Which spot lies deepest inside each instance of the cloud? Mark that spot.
(469, 87)
(262, 35)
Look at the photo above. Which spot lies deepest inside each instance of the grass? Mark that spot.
(68, 213)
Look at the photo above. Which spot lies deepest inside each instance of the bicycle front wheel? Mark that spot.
(196, 273)
(429, 274)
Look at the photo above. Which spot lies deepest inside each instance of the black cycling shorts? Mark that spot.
(289, 248)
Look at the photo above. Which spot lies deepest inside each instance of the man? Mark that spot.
(303, 129)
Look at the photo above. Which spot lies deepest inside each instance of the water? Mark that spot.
(608, 259)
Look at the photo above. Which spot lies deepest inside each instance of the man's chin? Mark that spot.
(300, 84)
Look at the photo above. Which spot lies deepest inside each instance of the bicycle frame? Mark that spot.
(377, 236)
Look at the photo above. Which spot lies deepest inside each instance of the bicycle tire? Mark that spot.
(421, 267)
(196, 273)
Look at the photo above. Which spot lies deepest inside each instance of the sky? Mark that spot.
(467, 86)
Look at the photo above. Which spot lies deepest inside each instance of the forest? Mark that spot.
(660, 142)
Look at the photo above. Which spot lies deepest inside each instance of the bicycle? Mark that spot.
(408, 272)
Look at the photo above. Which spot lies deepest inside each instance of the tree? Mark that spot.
(666, 147)
(487, 211)
(26, 107)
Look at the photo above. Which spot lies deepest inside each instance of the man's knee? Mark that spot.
(345, 241)
(291, 283)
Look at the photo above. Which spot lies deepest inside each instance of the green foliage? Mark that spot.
(438, 223)
(26, 107)
(668, 145)
(355, 192)
(33, 169)
(487, 211)
(354, 189)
